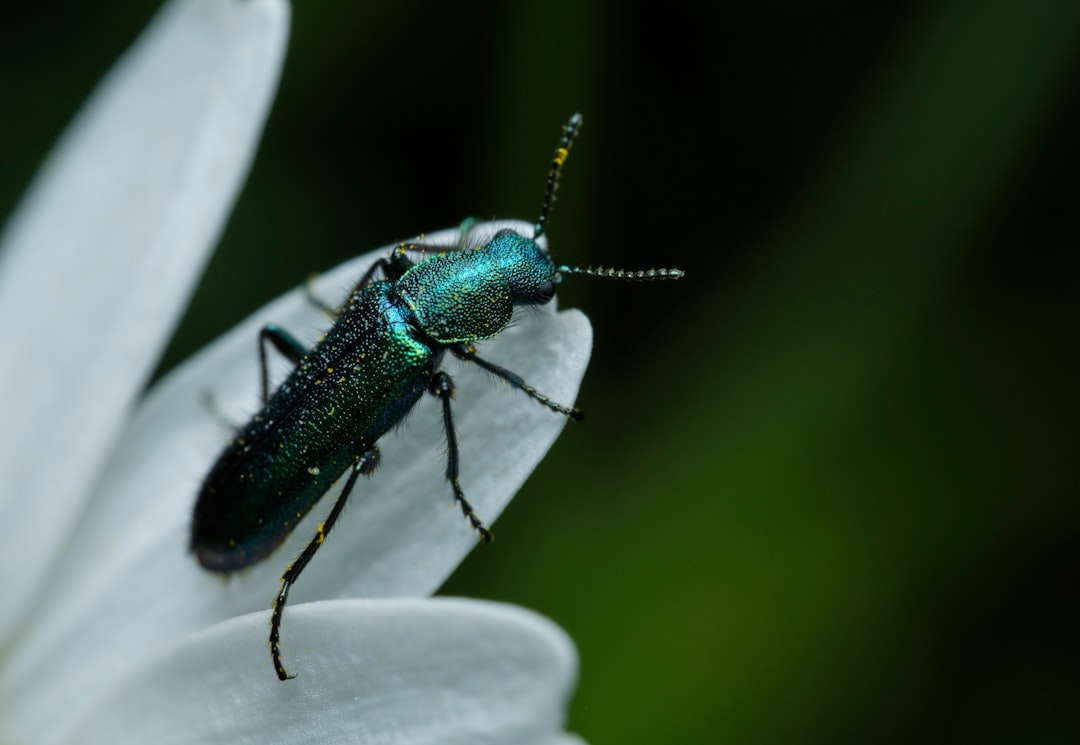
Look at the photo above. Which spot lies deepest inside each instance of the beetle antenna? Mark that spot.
(570, 130)
(645, 275)
(562, 152)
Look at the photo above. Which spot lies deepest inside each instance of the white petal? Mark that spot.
(128, 584)
(100, 257)
(408, 672)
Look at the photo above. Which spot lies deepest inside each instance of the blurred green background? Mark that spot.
(827, 487)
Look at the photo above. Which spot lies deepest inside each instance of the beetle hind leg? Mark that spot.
(365, 464)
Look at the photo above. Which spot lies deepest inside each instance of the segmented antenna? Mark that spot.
(570, 130)
(644, 275)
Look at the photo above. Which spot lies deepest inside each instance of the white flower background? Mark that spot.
(825, 487)
(109, 632)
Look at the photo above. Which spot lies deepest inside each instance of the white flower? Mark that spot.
(109, 631)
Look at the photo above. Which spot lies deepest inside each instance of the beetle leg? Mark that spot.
(365, 464)
(467, 353)
(312, 297)
(285, 343)
(442, 387)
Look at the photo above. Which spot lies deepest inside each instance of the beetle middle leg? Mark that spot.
(442, 387)
(365, 464)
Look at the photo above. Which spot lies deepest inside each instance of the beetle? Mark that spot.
(381, 355)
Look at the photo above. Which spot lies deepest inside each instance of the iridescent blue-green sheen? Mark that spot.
(470, 295)
(381, 355)
(357, 382)
(360, 380)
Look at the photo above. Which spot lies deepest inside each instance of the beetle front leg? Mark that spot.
(466, 353)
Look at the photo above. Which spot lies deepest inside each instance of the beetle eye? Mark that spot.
(544, 292)
(504, 231)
